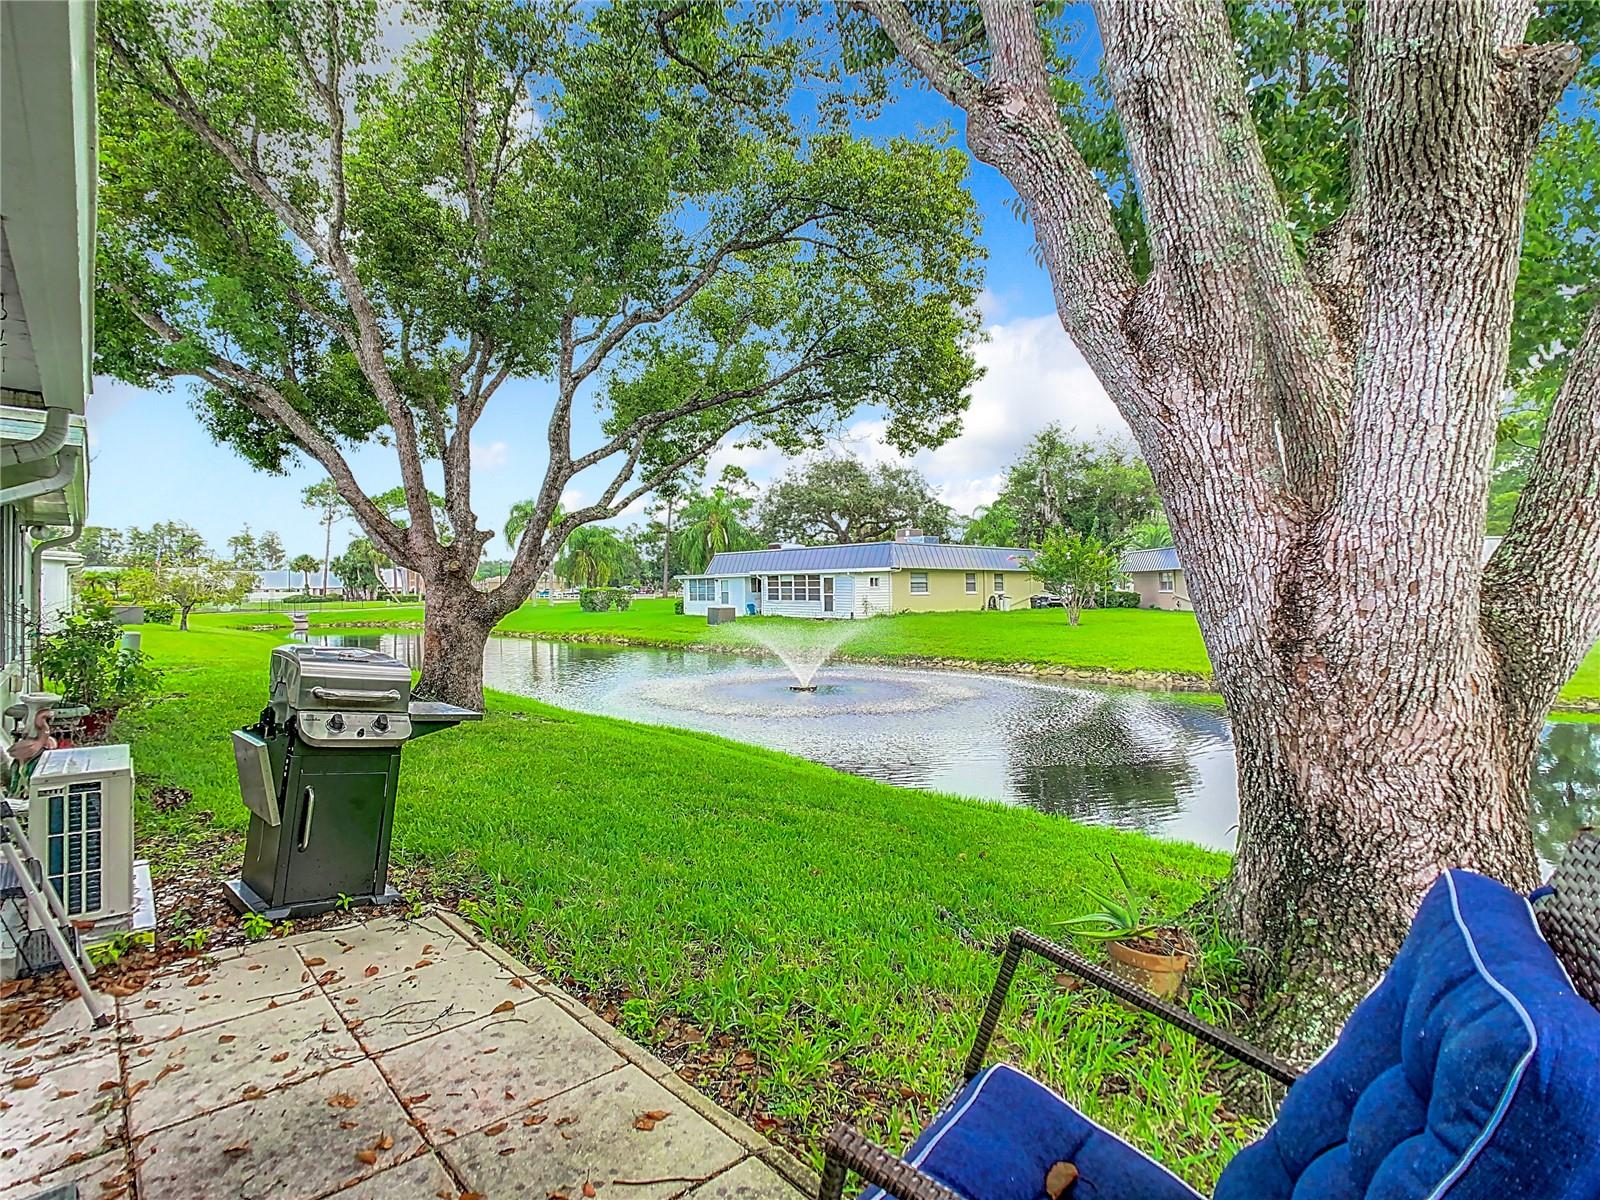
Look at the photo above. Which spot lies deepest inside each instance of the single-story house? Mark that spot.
(1157, 576)
(914, 573)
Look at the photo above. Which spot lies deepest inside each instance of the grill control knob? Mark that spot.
(380, 724)
(336, 723)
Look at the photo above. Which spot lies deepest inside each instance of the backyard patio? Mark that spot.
(387, 1058)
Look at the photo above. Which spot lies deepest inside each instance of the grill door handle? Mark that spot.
(305, 822)
(349, 696)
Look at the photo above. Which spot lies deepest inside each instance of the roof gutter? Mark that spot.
(65, 470)
(42, 445)
(38, 570)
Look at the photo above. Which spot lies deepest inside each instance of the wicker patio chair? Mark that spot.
(1307, 1152)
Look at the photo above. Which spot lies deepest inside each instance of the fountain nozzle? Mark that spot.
(802, 687)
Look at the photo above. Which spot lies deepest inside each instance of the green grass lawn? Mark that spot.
(1116, 640)
(832, 926)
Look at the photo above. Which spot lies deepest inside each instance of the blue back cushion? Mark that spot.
(1472, 1072)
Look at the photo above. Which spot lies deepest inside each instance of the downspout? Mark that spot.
(37, 599)
(42, 445)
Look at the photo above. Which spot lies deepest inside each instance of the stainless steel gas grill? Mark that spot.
(319, 773)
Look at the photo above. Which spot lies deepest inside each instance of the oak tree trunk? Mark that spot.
(1321, 432)
(455, 630)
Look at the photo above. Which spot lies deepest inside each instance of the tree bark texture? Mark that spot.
(1322, 438)
(455, 629)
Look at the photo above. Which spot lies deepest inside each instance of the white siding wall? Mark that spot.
(873, 601)
(844, 595)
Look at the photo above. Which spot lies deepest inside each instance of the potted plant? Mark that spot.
(1142, 949)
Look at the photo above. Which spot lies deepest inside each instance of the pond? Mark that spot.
(1157, 762)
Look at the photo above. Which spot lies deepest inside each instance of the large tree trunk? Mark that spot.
(1321, 435)
(1352, 798)
(455, 630)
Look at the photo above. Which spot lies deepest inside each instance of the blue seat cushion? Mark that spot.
(999, 1138)
(1471, 1072)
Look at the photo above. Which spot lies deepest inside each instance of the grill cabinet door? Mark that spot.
(340, 835)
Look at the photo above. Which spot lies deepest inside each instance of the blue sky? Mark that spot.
(151, 460)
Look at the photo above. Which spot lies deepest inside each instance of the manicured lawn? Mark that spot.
(1119, 640)
(834, 928)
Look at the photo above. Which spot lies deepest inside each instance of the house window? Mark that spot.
(813, 587)
(700, 590)
(785, 587)
(999, 581)
(1169, 580)
(755, 585)
(872, 581)
(919, 583)
(972, 582)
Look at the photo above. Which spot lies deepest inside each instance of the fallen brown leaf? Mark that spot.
(495, 1130)
(535, 1119)
(367, 1156)
(342, 1100)
(23, 1083)
(237, 1149)
(1059, 1180)
(418, 1098)
(589, 1189)
(503, 1006)
(280, 1056)
(370, 971)
(384, 1142)
(316, 962)
(196, 980)
(225, 1039)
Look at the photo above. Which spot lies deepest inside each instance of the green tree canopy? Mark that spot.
(343, 244)
(1073, 567)
(713, 522)
(1101, 489)
(832, 501)
(594, 556)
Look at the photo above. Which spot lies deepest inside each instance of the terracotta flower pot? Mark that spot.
(1159, 974)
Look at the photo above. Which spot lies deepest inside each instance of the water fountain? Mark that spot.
(802, 646)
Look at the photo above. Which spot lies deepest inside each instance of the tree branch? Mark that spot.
(258, 394)
(1541, 590)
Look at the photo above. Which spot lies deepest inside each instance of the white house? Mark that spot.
(914, 573)
(47, 221)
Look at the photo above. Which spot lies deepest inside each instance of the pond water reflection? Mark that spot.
(1157, 762)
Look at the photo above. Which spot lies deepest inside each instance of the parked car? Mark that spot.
(1045, 600)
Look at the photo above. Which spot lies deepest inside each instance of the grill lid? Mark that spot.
(337, 678)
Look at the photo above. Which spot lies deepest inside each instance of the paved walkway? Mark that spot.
(387, 1059)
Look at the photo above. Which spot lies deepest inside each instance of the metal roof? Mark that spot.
(1162, 558)
(870, 556)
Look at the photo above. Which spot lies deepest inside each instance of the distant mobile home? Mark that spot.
(914, 573)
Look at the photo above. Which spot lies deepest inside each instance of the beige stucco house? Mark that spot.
(914, 573)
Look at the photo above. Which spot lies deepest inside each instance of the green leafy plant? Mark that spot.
(1122, 918)
(195, 939)
(159, 613)
(109, 952)
(344, 902)
(256, 926)
(85, 662)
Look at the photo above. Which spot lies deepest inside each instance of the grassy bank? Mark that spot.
(815, 944)
(1119, 641)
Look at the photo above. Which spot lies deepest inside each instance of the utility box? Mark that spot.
(722, 614)
(319, 773)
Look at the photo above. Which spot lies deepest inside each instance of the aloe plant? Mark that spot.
(1123, 918)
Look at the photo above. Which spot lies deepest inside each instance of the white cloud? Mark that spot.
(488, 455)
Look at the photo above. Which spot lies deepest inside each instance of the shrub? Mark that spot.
(595, 599)
(622, 599)
(85, 662)
(1121, 600)
(677, 607)
(159, 614)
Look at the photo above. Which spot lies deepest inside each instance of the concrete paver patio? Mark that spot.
(394, 1058)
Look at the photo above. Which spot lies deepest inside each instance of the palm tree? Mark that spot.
(591, 556)
(712, 524)
(305, 564)
(519, 516)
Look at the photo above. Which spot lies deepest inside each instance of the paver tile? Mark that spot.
(52, 1033)
(394, 948)
(107, 1176)
(195, 1072)
(473, 1075)
(192, 995)
(750, 1180)
(399, 1008)
(423, 1178)
(52, 1117)
(591, 1135)
(292, 1144)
